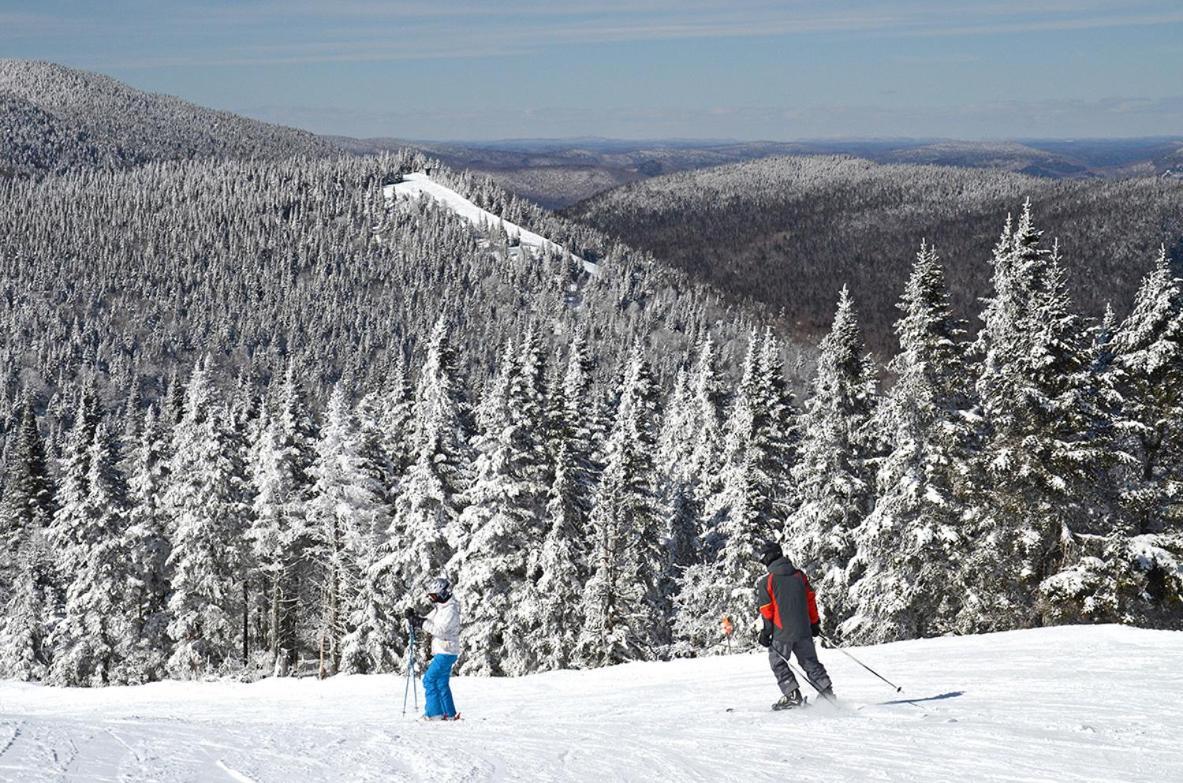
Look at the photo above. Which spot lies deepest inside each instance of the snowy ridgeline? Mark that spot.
(417, 184)
(1099, 703)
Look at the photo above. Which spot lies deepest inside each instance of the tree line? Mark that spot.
(592, 508)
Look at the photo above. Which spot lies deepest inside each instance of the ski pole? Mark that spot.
(797, 671)
(898, 689)
(410, 670)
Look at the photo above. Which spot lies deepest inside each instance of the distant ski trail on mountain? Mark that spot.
(418, 184)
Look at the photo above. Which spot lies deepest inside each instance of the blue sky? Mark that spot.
(744, 69)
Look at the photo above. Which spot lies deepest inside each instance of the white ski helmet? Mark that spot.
(440, 588)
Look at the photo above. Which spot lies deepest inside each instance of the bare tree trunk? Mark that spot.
(276, 598)
(246, 622)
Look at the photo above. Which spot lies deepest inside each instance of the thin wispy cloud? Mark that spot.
(372, 32)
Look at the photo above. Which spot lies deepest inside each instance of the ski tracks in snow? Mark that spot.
(644, 721)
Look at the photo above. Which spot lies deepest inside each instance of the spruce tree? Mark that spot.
(742, 511)
(347, 512)
(909, 549)
(688, 460)
(1037, 456)
(573, 427)
(280, 531)
(552, 609)
(92, 640)
(425, 527)
(205, 501)
(1148, 347)
(776, 425)
(503, 519)
(622, 618)
(1149, 350)
(29, 497)
(149, 547)
(835, 473)
(29, 608)
(68, 529)
(553, 612)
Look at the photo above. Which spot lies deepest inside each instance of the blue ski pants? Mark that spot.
(436, 687)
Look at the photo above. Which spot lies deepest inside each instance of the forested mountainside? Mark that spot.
(260, 415)
(789, 231)
(54, 118)
(137, 274)
(248, 407)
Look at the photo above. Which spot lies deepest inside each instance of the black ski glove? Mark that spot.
(415, 620)
(815, 630)
(765, 637)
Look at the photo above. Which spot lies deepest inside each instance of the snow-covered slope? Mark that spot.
(1076, 703)
(417, 184)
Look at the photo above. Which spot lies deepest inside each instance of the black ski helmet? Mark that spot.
(769, 551)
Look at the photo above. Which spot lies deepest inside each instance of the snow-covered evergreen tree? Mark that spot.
(397, 408)
(29, 499)
(834, 474)
(572, 427)
(1147, 558)
(909, 549)
(688, 459)
(503, 519)
(721, 585)
(1095, 561)
(623, 619)
(94, 636)
(551, 612)
(1149, 348)
(423, 533)
(1037, 456)
(29, 608)
(148, 546)
(280, 531)
(742, 508)
(347, 513)
(205, 501)
(777, 424)
(384, 426)
(67, 532)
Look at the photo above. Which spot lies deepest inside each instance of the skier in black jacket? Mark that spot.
(789, 609)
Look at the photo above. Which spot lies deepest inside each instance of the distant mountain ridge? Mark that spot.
(54, 118)
(557, 173)
(790, 231)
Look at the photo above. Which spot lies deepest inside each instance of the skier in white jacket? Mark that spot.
(444, 626)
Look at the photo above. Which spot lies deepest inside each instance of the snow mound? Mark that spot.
(1084, 703)
(418, 184)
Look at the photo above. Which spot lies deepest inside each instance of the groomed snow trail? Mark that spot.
(1080, 703)
(417, 184)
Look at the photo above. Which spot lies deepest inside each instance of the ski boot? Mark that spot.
(828, 695)
(789, 701)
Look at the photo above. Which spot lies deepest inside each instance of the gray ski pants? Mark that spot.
(778, 658)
